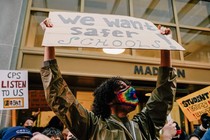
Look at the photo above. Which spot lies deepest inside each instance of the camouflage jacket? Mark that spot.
(86, 126)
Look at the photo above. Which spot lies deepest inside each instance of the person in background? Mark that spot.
(113, 100)
(199, 132)
(67, 135)
(53, 133)
(27, 122)
(40, 136)
(17, 133)
(180, 134)
(2, 132)
(168, 131)
(206, 135)
(54, 122)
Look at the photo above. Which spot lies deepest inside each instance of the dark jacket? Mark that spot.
(85, 125)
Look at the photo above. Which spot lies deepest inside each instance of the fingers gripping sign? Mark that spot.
(165, 31)
(46, 23)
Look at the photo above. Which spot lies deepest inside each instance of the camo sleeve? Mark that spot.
(61, 100)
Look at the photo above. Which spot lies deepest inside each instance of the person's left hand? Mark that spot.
(165, 31)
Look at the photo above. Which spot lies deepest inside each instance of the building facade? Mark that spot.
(85, 68)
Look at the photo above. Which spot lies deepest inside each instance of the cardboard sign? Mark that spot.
(105, 31)
(13, 89)
(195, 104)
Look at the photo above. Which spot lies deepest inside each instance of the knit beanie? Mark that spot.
(15, 132)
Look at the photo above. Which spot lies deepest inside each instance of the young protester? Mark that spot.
(114, 99)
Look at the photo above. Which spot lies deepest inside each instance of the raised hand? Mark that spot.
(46, 23)
(165, 31)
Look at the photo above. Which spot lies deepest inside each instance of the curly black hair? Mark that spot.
(53, 132)
(104, 94)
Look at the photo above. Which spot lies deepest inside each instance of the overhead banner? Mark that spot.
(195, 104)
(73, 29)
(13, 89)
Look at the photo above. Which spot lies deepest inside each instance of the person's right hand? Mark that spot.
(49, 52)
(46, 23)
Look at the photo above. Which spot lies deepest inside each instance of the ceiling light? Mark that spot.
(148, 94)
(113, 51)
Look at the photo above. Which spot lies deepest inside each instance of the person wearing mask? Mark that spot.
(113, 100)
(199, 132)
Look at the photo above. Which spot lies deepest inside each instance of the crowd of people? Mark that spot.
(113, 100)
(54, 130)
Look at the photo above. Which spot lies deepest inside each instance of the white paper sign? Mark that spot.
(13, 89)
(105, 31)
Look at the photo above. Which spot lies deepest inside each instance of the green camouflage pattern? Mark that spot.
(86, 126)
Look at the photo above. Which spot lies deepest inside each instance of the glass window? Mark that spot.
(72, 5)
(156, 53)
(193, 13)
(196, 44)
(117, 7)
(155, 10)
(35, 32)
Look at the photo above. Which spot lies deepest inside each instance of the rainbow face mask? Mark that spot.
(128, 96)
